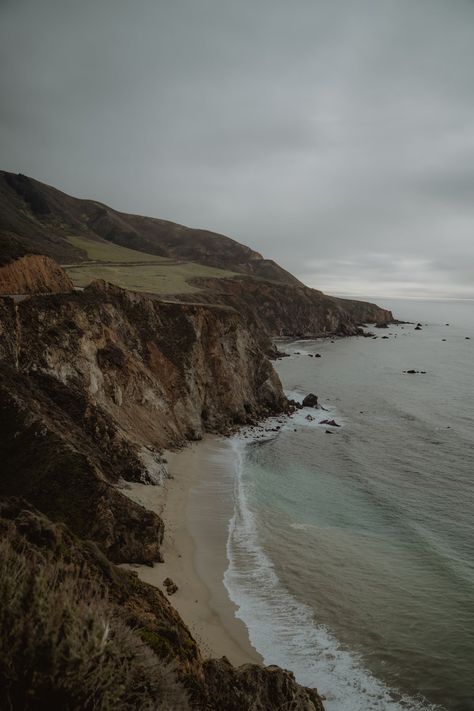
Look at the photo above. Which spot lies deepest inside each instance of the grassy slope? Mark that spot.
(138, 271)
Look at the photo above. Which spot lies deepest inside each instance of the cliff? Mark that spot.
(278, 309)
(95, 384)
(34, 274)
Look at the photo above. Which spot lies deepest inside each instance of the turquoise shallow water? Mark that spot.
(352, 553)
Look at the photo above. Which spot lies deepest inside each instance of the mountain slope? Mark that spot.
(36, 218)
(167, 259)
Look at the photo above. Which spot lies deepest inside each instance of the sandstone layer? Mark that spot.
(34, 274)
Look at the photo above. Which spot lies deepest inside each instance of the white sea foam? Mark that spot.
(285, 631)
(325, 411)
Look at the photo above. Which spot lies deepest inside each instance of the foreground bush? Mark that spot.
(64, 646)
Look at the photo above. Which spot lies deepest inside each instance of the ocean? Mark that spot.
(351, 552)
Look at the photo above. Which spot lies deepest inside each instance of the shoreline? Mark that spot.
(196, 505)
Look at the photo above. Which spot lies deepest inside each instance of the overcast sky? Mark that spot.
(335, 136)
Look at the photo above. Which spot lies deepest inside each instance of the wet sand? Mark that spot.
(196, 506)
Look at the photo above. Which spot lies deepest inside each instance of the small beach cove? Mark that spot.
(196, 504)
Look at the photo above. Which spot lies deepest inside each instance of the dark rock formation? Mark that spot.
(310, 400)
(332, 423)
(170, 586)
(268, 688)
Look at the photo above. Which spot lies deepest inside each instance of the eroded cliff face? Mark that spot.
(34, 274)
(95, 384)
(92, 386)
(278, 309)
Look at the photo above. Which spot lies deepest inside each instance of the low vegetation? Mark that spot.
(108, 252)
(138, 271)
(63, 644)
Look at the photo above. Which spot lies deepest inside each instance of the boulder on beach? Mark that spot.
(170, 586)
(311, 400)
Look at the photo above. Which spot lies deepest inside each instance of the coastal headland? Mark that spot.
(101, 378)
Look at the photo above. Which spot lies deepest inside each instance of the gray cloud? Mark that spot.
(336, 136)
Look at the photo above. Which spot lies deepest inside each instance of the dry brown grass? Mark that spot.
(64, 646)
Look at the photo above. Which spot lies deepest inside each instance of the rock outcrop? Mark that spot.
(311, 400)
(34, 274)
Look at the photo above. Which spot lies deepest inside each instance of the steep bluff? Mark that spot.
(96, 383)
(278, 309)
(34, 274)
(93, 385)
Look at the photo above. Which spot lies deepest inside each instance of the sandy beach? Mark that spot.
(196, 506)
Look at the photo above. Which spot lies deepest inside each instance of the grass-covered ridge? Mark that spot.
(137, 271)
(102, 251)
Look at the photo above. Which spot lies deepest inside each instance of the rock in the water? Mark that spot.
(310, 418)
(318, 355)
(333, 423)
(310, 400)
